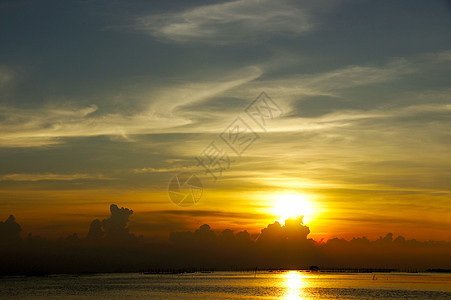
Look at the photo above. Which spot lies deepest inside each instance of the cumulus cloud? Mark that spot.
(10, 231)
(114, 228)
(294, 230)
(234, 21)
(109, 247)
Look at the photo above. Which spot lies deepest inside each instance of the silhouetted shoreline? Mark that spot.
(175, 271)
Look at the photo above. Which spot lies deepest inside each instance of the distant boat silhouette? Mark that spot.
(314, 269)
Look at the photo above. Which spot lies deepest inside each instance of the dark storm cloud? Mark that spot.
(9, 231)
(113, 229)
(110, 247)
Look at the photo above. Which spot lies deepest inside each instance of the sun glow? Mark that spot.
(290, 205)
(294, 284)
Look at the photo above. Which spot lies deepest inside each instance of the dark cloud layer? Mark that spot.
(112, 229)
(109, 247)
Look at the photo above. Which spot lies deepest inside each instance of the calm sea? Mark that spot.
(231, 285)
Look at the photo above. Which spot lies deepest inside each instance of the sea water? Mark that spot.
(231, 285)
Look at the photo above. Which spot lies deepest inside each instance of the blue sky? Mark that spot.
(104, 101)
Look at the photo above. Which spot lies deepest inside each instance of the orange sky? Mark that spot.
(354, 118)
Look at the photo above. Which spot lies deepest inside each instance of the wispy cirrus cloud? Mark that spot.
(165, 170)
(50, 124)
(50, 176)
(234, 21)
(187, 107)
(328, 83)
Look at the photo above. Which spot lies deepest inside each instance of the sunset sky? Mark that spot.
(104, 102)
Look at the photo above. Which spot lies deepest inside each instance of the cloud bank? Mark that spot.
(109, 247)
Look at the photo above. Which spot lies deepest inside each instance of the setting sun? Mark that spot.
(292, 205)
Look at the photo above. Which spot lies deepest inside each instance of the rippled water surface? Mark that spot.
(231, 285)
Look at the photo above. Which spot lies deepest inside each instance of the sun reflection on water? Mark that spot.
(294, 284)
